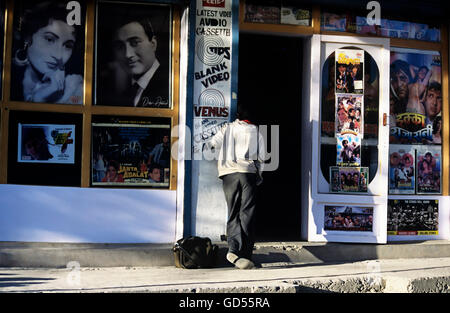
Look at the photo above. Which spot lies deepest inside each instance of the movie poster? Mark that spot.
(413, 217)
(48, 50)
(402, 169)
(349, 117)
(349, 71)
(131, 153)
(334, 22)
(133, 54)
(415, 97)
(348, 150)
(348, 218)
(428, 165)
(349, 179)
(268, 13)
(46, 143)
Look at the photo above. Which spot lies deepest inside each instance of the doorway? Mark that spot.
(270, 81)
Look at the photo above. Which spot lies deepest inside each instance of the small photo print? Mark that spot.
(348, 218)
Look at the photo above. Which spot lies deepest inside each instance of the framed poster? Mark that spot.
(349, 117)
(413, 217)
(48, 51)
(402, 169)
(428, 165)
(131, 152)
(349, 179)
(134, 57)
(46, 143)
(349, 71)
(2, 35)
(44, 148)
(348, 218)
(415, 97)
(348, 150)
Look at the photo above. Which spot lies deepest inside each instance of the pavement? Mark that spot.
(373, 276)
(287, 267)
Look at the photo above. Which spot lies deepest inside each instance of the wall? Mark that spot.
(61, 214)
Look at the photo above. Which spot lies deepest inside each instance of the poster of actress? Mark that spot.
(48, 52)
(428, 164)
(133, 55)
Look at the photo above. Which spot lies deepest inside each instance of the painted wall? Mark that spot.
(61, 214)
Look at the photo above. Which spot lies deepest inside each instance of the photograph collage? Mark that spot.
(132, 68)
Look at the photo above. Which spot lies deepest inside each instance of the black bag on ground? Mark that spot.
(195, 252)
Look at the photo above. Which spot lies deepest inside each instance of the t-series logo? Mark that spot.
(214, 3)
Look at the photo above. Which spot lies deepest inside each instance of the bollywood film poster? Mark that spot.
(413, 217)
(131, 153)
(415, 97)
(46, 143)
(349, 179)
(428, 165)
(348, 151)
(348, 218)
(349, 117)
(402, 169)
(349, 71)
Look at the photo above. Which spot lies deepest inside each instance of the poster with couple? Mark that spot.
(402, 169)
(415, 97)
(428, 165)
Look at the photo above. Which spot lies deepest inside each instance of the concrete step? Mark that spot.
(58, 255)
(375, 276)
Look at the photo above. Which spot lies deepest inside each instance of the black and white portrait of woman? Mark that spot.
(48, 52)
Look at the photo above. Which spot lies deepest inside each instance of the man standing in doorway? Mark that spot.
(240, 155)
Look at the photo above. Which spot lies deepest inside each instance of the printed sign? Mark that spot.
(212, 75)
(348, 218)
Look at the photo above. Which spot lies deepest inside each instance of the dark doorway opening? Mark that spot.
(270, 82)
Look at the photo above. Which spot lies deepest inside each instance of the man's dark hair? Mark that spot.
(143, 21)
(434, 86)
(243, 112)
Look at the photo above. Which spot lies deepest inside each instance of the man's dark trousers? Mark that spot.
(240, 195)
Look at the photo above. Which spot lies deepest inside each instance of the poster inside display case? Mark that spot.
(131, 152)
(415, 97)
(46, 143)
(413, 217)
(428, 164)
(133, 49)
(48, 50)
(402, 169)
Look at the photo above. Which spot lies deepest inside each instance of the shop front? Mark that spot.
(354, 111)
